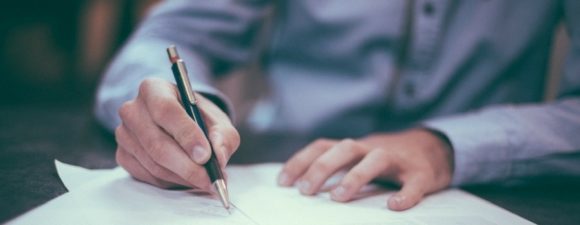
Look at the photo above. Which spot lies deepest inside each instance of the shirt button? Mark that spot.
(428, 8)
(409, 89)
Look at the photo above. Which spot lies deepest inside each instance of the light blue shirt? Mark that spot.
(474, 70)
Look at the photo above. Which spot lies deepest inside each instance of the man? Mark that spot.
(428, 94)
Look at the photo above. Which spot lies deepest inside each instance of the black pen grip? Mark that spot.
(212, 165)
(182, 91)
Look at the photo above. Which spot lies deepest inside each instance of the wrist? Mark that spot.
(442, 145)
(442, 137)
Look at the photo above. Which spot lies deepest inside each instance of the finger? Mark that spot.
(160, 147)
(128, 142)
(131, 165)
(210, 108)
(299, 163)
(339, 156)
(371, 166)
(161, 101)
(219, 149)
(410, 194)
(224, 138)
(225, 141)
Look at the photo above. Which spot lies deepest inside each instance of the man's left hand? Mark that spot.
(417, 159)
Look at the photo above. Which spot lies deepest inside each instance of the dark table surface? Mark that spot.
(32, 137)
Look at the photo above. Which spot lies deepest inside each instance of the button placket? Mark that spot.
(427, 30)
(409, 89)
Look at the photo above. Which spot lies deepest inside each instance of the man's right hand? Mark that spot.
(158, 143)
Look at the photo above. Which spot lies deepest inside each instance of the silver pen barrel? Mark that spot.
(222, 190)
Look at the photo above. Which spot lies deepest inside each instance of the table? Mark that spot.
(32, 137)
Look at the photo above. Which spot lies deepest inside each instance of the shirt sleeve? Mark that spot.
(515, 141)
(212, 37)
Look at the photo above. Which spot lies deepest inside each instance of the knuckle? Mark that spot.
(157, 171)
(322, 166)
(291, 167)
(146, 85)
(163, 108)
(355, 177)
(321, 141)
(298, 161)
(126, 110)
(156, 150)
(351, 146)
(193, 178)
(295, 165)
(347, 143)
(185, 135)
(426, 177)
(385, 154)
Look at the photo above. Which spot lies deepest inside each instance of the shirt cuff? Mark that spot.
(209, 92)
(199, 74)
(480, 147)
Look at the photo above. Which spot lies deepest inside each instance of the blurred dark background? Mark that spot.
(51, 56)
(52, 52)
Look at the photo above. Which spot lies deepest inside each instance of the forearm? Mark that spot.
(140, 59)
(506, 142)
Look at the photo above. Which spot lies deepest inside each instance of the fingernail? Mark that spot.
(199, 154)
(283, 179)
(398, 200)
(304, 186)
(338, 193)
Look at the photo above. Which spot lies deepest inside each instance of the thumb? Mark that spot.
(410, 194)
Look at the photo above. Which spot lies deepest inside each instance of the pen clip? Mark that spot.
(189, 94)
(181, 75)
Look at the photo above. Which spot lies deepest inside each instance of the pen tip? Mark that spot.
(223, 193)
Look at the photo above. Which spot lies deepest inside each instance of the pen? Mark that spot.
(189, 102)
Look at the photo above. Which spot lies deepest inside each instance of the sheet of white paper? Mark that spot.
(74, 177)
(55, 212)
(268, 203)
(112, 197)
